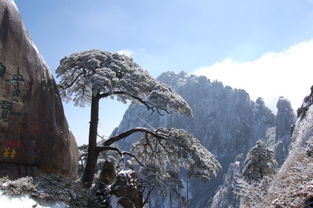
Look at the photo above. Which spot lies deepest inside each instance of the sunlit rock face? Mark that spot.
(34, 134)
(225, 196)
(225, 120)
(303, 132)
(292, 185)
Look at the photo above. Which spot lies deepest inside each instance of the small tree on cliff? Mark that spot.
(259, 162)
(258, 171)
(87, 77)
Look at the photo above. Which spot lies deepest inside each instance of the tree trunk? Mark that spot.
(92, 157)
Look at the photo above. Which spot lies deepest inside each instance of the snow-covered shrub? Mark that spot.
(259, 163)
(251, 194)
(164, 158)
(258, 171)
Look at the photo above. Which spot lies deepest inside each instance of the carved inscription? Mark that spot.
(12, 93)
(2, 70)
(6, 108)
(16, 80)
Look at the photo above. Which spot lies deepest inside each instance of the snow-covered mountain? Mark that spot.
(278, 139)
(237, 124)
(293, 184)
(225, 120)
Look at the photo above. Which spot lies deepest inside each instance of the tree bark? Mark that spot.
(93, 154)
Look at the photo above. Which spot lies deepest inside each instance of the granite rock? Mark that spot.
(34, 134)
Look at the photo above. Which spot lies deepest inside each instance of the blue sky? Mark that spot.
(169, 35)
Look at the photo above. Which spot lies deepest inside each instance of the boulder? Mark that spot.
(108, 173)
(34, 135)
(127, 190)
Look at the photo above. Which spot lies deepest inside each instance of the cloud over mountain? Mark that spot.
(287, 73)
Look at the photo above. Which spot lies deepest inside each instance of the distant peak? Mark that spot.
(260, 101)
(171, 74)
(183, 74)
(173, 79)
(283, 104)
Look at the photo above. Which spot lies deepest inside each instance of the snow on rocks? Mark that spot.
(24, 201)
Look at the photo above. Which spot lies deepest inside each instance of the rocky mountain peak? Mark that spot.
(260, 101)
(285, 118)
(173, 79)
(292, 185)
(225, 120)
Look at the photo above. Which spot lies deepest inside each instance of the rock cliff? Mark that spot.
(34, 134)
(278, 139)
(284, 120)
(293, 184)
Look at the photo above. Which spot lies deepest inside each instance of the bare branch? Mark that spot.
(162, 145)
(167, 111)
(148, 195)
(105, 148)
(133, 156)
(71, 84)
(102, 137)
(146, 103)
(148, 142)
(129, 132)
(103, 95)
(159, 112)
(149, 105)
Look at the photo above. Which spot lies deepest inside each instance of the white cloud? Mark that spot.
(128, 53)
(288, 73)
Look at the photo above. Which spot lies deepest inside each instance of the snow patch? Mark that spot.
(24, 201)
(128, 53)
(114, 202)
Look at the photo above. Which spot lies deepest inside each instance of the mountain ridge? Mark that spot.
(225, 121)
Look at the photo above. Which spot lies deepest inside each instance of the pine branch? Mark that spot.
(130, 132)
(121, 153)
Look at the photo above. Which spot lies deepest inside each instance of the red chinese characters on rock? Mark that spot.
(34, 129)
(12, 143)
(10, 148)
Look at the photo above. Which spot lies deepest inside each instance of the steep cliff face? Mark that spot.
(278, 139)
(284, 120)
(34, 134)
(222, 116)
(225, 120)
(292, 186)
(225, 196)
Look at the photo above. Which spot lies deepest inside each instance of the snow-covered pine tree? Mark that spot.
(259, 163)
(86, 77)
(163, 160)
(258, 170)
